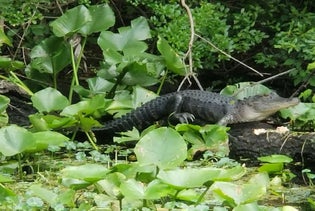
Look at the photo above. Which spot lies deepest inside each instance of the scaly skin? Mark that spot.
(188, 105)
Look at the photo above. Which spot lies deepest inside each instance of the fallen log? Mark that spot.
(252, 140)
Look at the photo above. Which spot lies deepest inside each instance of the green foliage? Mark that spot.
(161, 173)
(19, 13)
(275, 164)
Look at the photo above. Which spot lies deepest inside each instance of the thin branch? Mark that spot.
(274, 76)
(263, 81)
(304, 84)
(229, 56)
(189, 52)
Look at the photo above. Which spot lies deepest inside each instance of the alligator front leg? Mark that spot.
(175, 105)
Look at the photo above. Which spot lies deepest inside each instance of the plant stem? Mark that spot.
(75, 67)
(162, 83)
(202, 195)
(19, 83)
(91, 140)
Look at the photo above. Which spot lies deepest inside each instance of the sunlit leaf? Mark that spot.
(87, 172)
(49, 138)
(75, 184)
(163, 147)
(237, 194)
(271, 167)
(136, 190)
(4, 39)
(48, 100)
(14, 140)
(9, 64)
(193, 177)
(71, 21)
(132, 135)
(47, 195)
(102, 17)
(172, 60)
(128, 40)
(4, 102)
(132, 189)
(85, 107)
(4, 179)
(302, 111)
(99, 85)
(311, 66)
(276, 159)
(245, 89)
(111, 184)
(141, 96)
(5, 193)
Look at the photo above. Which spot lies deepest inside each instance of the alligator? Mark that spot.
(189, 106)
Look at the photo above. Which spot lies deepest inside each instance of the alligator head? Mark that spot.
(259, 107)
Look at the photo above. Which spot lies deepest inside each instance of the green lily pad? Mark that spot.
(15, 140)
(48, 100)
(163, 147)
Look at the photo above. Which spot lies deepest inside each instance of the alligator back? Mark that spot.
(206, 106)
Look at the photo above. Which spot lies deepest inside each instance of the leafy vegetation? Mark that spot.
(63, 174)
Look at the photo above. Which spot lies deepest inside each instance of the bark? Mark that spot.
(245, 143)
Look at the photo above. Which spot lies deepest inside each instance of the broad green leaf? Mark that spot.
(71, 21)
(302, 111)
(48, 100)
(99, 85)
(9, 64)
(15, 140)
(138, 74)
(136, 190)
(249, 206)
(67, 197)
(75, 184)
(5, 193)
(88, 172)
(4, 39)
(237, 194)
(47, 195)
(139, 29)
(271, 167)
(276, 159)
(85, 107)
(172, 60)
(141, 96)
(132, 189)
(102, 17)
(4, 118)
(51, 55)
(4, 102)
(163, 147)
(157, 189)
(86, 123)
(4, 179)
(311, 66)
(190, 195)
(42, 122)
(49, 138)
(191, 178)
(214, 134)
(245, 89)
(128, 136)
(128, 40)
(111, 184)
